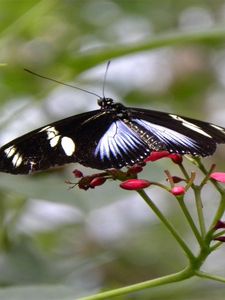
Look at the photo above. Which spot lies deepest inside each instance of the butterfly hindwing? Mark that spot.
(120, 146)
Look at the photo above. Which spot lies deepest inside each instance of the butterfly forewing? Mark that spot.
(96, 139)
(48, 146)
(180, 134)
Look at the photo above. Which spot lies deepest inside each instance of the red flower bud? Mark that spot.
(135, 169)
(155, 155)
(218, 176)
(97, 181)
(77, 173)
(219, 225)
(176, 158)
(135, 184)
(178, 190)
(220, 239)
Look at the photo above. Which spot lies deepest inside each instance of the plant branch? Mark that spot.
(169, 226)
(199, 206)
(210, 276)
(176, 277)
(190, 221)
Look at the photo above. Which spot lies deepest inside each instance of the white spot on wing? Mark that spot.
(54, 141)
(68, 145)
(44, 128)
(51, 132)
(52, 135)
(190, 125)
(10, 151)
(218, 128)
(17, 160)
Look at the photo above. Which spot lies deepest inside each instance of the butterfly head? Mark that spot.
(105, 103)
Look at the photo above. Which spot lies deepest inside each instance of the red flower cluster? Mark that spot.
(129, 177)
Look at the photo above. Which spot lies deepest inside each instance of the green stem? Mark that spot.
(169, 226)
(190, 221)
(210, 276)
(198, 202)
(214, 247)
(207, 175)
(183, 170)
(198, 163)
(218, 216)
(220, 210)
(176, 277)
(220, 189)
(219, 234)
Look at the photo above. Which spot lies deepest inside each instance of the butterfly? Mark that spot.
(113, 136)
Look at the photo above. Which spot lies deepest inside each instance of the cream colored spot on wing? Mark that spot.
(190, 125)
(68, 145)
(51, 132)
(54, 141)
(10, 151)
(44, 128)
(17, 160)
(218, 127)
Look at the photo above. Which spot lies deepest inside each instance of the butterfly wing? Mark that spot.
(120, 146)
(108, 138)
(97, 139)
(178, 134)
(48, 146)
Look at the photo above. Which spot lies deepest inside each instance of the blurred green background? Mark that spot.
(167, 55)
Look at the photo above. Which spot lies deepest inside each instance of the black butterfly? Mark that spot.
(110, 137)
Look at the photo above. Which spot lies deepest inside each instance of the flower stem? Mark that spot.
(183, 170)
(220, 210)
(179, 276)
(190, 221)
(169, 226)
(210, 276)
(199, 206)
(214, 247)
(198, 163)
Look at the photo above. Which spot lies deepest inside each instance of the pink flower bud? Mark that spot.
(77, 173)
(218, 176)
(97, 181)
(178, 190)
(155, 155)
(135, 184)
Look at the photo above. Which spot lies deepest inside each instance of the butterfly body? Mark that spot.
(110, 137)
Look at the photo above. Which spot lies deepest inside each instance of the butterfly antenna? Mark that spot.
(66, 84)
(104, 80)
